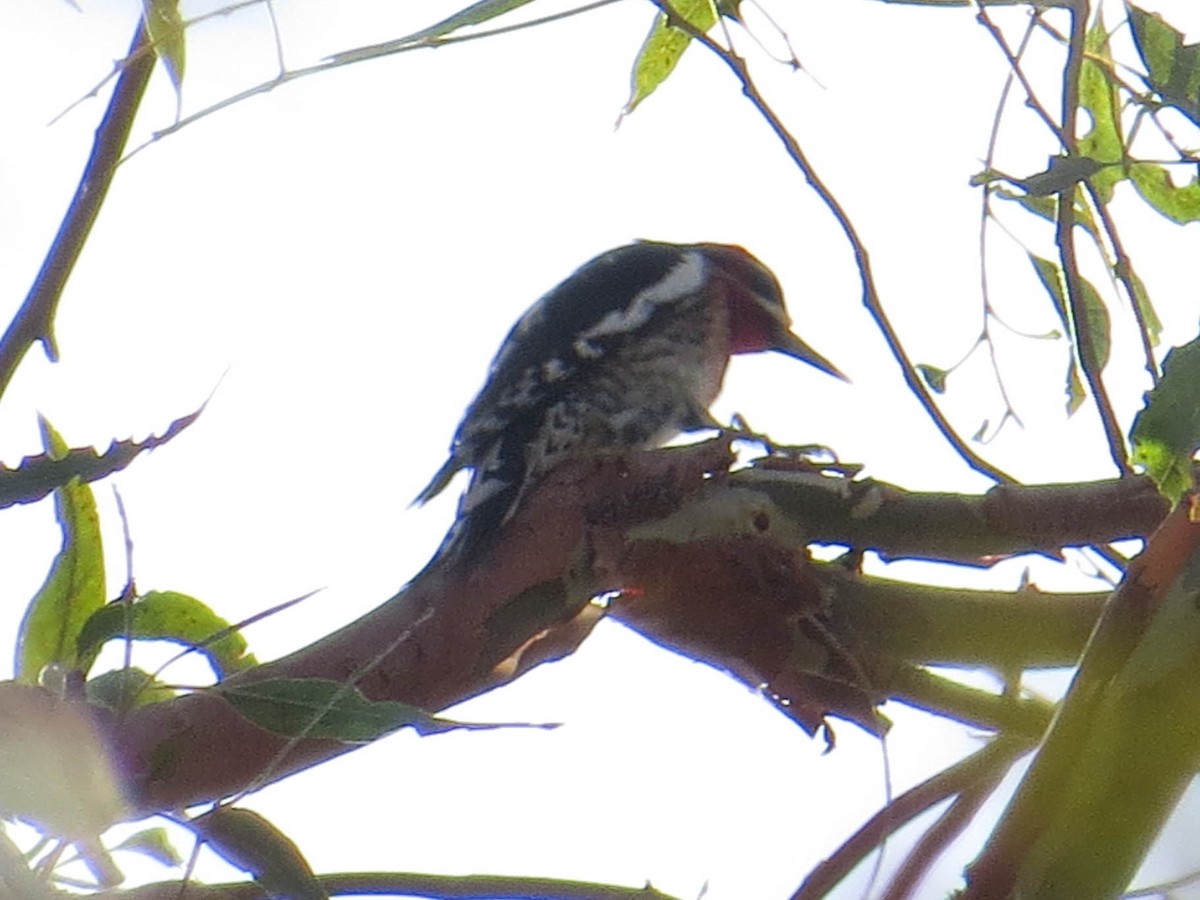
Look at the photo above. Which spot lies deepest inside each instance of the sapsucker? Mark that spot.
(629, 351)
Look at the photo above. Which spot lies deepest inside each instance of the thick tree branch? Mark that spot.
(741, 595)
(408, 884)
(962, 528)
(1123, 746)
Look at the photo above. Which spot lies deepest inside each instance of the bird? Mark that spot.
(626, 353)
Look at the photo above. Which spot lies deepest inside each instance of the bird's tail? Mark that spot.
(483, 510)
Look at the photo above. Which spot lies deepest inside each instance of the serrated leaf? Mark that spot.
(1179, 204)
(74, 587)
(1166, 433)
(1172, 67)
(168, 616)
(1098, 96)
(37, 476)
(165, 27)
(154, 843)
(323, 708)
(250, 842)
(664, 47)
(124, 689)
(934, 377)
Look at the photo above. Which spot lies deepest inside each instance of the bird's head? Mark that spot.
(758, 319)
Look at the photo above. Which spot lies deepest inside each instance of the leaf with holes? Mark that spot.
(1103, 144)
(168, 616)
(1180, 204)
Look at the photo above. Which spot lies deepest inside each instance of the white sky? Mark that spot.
(344, 254)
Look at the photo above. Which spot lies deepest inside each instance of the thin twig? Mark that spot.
(1123, 269)
(1014, 64)
(408, 884)
(989, 312)
(871, 301)
(1065, 239)
(982, 766)
(938, 837)
(34, 321)
(349, 57)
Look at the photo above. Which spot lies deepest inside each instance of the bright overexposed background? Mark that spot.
(339, 259)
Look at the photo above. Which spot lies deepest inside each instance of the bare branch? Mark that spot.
(871, 300)
(34, 321)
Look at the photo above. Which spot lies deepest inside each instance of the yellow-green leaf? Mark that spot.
(1142, 298)
(74, 588)
(665, 46)
(168, 616)
(1179, 204)
(165, 26)
(1166, 433)
(1098, 95)
(124, 689)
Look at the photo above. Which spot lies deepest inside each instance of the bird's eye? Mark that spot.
(763, 284)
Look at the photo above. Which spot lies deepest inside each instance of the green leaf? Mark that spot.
(1098, 96)
(1047, 208)
(323, 708)
(475, 14)
(1179, 204)
(934, 377)
(1062, 172)
(665, 46)
(250, 842)
(37, 476)
(1076, 392)
(1051, 277)
(1142, 298)
(74, 587)
(168, 616)
(1099, 323)
(165, 26)
(1172, 67)
(124, 689)
(1166, 433)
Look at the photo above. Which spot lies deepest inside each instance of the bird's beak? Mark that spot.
(792, 346)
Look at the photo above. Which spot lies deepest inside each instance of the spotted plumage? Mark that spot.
(627, 352)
